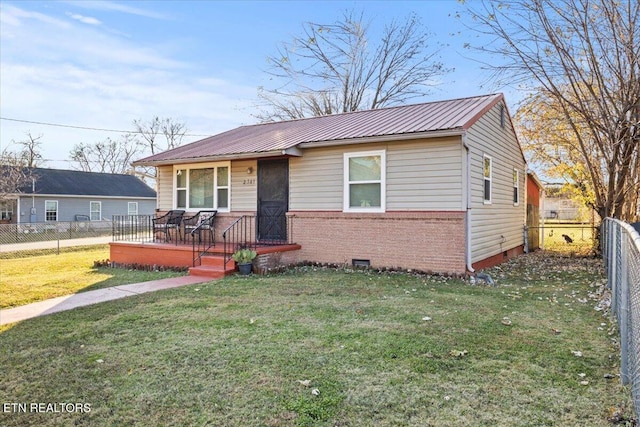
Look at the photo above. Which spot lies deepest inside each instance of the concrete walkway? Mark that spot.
(82, 299)
(55, 244)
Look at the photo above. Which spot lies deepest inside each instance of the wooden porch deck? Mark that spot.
(181, 256)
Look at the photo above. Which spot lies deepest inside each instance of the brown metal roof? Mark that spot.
(278, 137)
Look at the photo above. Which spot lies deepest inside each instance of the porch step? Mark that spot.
(213, 266)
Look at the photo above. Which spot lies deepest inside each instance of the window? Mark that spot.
(51, 210)
(95, 211)
(487, 173)
(132, 208)
(6, 210)
(203, 187)
(502, 116)
(516, 187)
(364, 181)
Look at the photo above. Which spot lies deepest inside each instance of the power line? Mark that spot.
(83, 127)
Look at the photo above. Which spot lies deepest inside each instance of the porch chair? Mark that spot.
(172, 220)
(196, 224)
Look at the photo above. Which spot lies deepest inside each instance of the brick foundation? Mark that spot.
(426, 241)
(498, 258)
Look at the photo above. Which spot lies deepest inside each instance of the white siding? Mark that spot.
(421, 175)
(165, 188)
(498, 226)
(244, 186)
(425, 175)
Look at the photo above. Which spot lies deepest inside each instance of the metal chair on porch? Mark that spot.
(201, 222)
(172, 220)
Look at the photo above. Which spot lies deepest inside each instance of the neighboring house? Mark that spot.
(438, 186)
(67, 195)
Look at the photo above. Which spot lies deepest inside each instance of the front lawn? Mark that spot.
(35, 276)
(315, 347)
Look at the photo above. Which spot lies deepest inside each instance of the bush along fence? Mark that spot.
(621, 253)
(50, 236)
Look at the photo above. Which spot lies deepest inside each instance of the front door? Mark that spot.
(273, 199)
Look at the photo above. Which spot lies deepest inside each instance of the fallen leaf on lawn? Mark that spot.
(582, 375)
(577, 353)
(305, 383)
(458, 353)
(555, 331)
(426, 318)
(315, 392)
(584, 382)
(99, 361)
(506, 322)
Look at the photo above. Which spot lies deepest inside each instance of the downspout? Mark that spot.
(468, 203)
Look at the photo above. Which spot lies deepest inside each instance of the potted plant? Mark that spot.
(244, 259)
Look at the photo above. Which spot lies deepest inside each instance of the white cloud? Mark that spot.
(66, 72)
(84, 19)
(112, 6)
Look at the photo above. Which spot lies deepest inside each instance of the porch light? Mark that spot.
(250, 170)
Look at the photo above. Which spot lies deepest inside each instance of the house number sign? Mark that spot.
(248, 181)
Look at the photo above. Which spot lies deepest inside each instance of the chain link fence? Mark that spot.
(49, 237)
(566, 237)
(621, 253)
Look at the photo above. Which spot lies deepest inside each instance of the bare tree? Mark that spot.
(583, 58)
(172, 130)
(337, 68)
(106, 156)
(30, 152)
(14, 173)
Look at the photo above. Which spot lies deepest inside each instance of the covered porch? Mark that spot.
(205, 252)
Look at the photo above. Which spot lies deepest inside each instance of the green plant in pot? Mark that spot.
(244, 259)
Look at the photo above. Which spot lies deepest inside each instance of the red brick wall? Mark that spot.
(427, 241)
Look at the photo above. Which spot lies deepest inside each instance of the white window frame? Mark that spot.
(131, 211)
(91, 211)
(187, 169)
(486, 179)
(382, 181)
(46, 202)
(516, 187)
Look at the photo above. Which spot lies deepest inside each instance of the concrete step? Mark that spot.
(213, 266)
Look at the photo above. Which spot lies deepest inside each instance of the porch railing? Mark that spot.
(205, 241)
(243, 233)
(132, 228)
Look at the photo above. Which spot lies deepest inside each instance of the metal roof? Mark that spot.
(409, 121)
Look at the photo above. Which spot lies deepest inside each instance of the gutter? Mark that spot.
(468, 203)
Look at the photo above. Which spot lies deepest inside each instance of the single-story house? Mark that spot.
(438, 186)
(67, 195)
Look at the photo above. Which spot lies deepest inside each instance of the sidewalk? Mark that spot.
(55, 244)
(82, 299)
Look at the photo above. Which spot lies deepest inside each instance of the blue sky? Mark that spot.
(102, 64)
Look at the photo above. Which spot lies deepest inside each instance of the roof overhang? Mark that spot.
(385, 138)
(293, 152)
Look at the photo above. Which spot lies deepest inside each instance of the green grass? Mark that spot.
(234, 352)
(582, 236)
(36, 276)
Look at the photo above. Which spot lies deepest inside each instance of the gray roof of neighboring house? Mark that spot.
(77, 183)
(418, 120)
